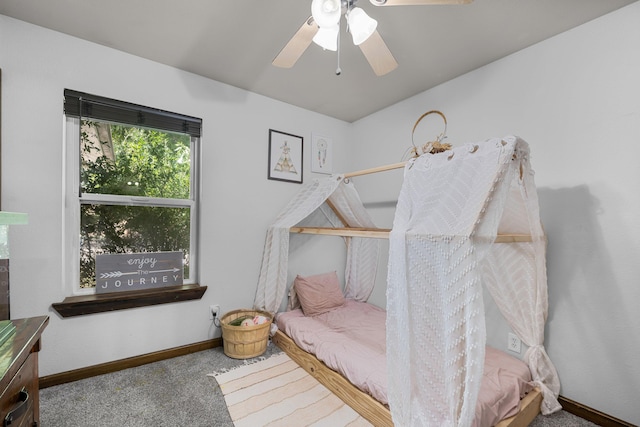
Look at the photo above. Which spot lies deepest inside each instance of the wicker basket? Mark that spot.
(244, 342)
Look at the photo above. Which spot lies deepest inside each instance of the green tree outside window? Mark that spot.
(147, 171)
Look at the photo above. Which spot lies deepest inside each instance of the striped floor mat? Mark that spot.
(278, 392)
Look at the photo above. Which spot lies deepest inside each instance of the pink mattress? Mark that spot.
(351, 340)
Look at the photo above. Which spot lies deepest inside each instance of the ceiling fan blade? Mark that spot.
(378, 54)
(416, 2)
(294, 49)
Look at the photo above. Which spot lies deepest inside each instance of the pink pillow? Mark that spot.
(318, 294)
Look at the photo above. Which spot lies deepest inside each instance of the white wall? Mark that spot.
(575, 99)
(238, 202)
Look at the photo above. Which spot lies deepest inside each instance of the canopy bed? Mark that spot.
(465, 218)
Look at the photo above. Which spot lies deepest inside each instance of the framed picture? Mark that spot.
(285, 157)
(321, 154)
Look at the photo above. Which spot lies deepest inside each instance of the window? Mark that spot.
(131, 184)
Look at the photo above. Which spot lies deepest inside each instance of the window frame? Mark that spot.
(74, 199)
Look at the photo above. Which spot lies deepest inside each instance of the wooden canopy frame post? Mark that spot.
(380, 233)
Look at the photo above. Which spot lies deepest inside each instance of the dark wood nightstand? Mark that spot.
(19, 402)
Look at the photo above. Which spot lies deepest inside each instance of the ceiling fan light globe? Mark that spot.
(327, 38)
(331, 6)
(326, 13)
(361, 25)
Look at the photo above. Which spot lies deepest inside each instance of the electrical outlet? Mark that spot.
(513, 343)
(214, 311)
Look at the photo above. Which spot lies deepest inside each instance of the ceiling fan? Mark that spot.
(323, 28)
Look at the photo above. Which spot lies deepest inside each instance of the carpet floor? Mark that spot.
(173, 392)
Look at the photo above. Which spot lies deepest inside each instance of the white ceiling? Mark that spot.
(234, 41)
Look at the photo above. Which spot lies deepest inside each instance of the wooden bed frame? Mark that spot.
(374, 411)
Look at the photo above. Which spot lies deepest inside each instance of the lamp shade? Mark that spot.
(327, 37)
(361, 25)
(326, 13)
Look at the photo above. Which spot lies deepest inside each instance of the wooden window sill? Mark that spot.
(98, 303)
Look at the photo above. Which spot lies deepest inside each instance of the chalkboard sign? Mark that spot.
(128, 272)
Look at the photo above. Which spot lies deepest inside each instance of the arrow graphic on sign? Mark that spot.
(112, 274)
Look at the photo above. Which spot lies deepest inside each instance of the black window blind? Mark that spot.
(79, 104)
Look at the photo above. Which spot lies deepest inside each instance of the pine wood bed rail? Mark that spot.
(375, 412)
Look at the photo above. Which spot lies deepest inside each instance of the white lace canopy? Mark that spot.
(451, 207)
(362, 254)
